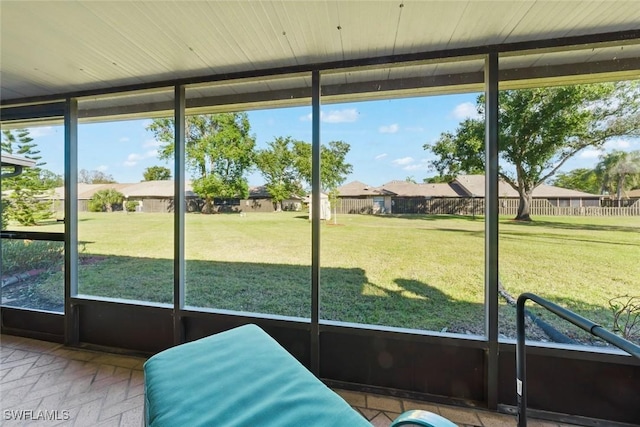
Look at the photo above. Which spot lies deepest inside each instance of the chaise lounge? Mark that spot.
(243, 377)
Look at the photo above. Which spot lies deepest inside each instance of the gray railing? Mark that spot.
(581, 322)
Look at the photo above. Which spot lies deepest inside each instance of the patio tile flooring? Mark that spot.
(82, 388)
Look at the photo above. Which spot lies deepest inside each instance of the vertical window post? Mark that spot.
(491, 226)
(71, 327)
(179, 213)
(315, 222)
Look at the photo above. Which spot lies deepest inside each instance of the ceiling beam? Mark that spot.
(380, 89)
(547, 45)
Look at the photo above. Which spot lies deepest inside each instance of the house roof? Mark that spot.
(410, 189)
(357, 189)
(261, 192)
(11, 160)
(91, 49)
(16, 163)
(474, 185)
(160, 189)
(634, 194)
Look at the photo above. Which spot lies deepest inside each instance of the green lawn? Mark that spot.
(423, 272)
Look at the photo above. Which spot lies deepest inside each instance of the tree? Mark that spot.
(94, 177)
(219, 152)
(277, 165)
(333, 167)
(539, 130)
(26, 202)
(104, 200)
(438, 179)
(618, 171)
(51, 179)
(582, 179)
(156, 173)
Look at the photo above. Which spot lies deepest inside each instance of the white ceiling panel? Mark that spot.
(54, 48)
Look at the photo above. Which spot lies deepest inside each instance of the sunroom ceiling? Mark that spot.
(51, 49)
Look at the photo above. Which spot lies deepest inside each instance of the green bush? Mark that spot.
(131, 205)
(95, 206)
(3, 215)
(19, 256)
(105, 200)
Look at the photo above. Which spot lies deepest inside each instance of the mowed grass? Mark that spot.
(422, 272)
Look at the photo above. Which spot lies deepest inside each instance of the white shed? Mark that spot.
(325, 206)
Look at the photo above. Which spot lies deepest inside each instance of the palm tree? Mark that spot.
(618, 171)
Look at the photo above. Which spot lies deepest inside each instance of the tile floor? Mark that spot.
(73, 387)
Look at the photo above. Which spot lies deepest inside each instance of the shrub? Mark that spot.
(131, 205)
(626, 315)
(95, 206)
(104, 200)
(21, 255)
(3, 214)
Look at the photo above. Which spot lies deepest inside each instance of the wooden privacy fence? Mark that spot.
(475, 206)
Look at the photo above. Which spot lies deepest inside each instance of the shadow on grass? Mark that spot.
(572, 226)
(427, 217)
(281, 289)
(560, 239)
(346, 293)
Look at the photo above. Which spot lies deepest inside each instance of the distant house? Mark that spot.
(358, 197)
(464, 195)
(413, 198)
(152, 196)
(157, 196)
(634, 194)
(629, 198)
(259, 200)
(474, 185)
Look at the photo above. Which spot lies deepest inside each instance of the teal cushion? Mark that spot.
(241, 377)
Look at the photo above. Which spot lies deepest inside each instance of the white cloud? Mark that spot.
(380, 156)
(134, 158)
(617, 144)
(422, 165)
(403, 161)
(124, 139)
(389, 129)
(348, 115)
(466, 110)
(591, 153)
(41, 131)
(102, 168)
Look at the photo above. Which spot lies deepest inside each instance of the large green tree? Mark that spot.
(27, 201)
(582, 179)
(539, 130)
(278, 167)
(334, 168)
(156, 173)
(618, 172)
(219, 152)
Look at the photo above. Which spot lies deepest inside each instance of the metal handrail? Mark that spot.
(570, 316)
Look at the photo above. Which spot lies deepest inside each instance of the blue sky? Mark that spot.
(386, 138)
